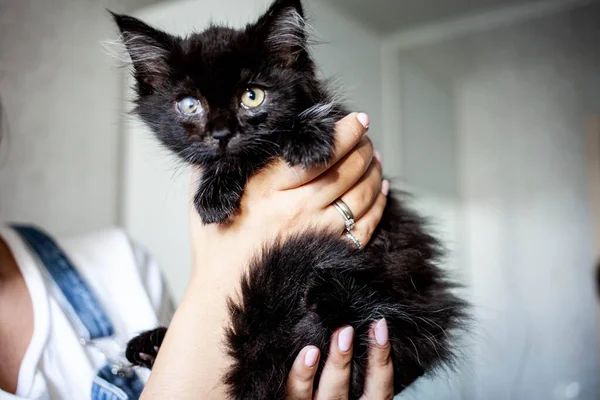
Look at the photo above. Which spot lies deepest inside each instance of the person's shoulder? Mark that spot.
(112, 239)
(113, 252)
(99, 238)
(106, 251)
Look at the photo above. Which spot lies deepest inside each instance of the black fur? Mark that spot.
(143, 350)
(301, 289)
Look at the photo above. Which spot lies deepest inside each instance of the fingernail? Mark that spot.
(363, 119)
(385, 187)
(345, 339)
(381, 332)
(377, 156)
(310, 359)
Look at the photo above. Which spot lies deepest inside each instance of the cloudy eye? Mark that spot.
(252, 98)
(188, 106)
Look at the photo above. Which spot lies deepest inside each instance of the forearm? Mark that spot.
(192, 358)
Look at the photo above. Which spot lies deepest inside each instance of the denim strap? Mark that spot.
(84, 311)
(77, 300)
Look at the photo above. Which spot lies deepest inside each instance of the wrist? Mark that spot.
(217, 277)
(222, 260)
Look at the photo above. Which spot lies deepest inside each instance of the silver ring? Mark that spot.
(354, 239)
(346, 213)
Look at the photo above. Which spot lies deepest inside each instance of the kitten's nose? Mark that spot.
(221, 134)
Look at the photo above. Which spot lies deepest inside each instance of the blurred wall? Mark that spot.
(523, 95)
(351, 55)
(60, 163)
(427, 124)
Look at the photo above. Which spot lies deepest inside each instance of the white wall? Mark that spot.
(523, 95)
(155, 198)
(352, 54)
(427, 124)
(60, 163)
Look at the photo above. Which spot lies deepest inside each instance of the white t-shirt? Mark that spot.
(126, 281)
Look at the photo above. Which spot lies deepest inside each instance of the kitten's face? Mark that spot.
(222, 93)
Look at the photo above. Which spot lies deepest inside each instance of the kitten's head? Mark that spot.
(223, 93)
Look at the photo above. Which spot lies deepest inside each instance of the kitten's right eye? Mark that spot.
(188, 106)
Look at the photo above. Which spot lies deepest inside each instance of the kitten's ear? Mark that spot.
(150, 50)
(283, 31)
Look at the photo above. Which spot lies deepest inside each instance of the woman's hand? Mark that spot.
(281, 200)
(277, 201)
(335, 379)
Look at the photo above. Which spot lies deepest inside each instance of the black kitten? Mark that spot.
(234, 100)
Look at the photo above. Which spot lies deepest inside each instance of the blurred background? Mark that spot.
(488, 111)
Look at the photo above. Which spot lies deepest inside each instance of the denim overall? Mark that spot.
(115, 380)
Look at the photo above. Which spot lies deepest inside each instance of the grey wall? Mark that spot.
(427, 126)
(350, 54)
(59, 163)
(523, 95)
(389, 16)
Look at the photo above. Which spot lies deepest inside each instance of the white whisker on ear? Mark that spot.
(143, 52)
(288, 32)
(141, 48)
(115, 48)
(310, 31)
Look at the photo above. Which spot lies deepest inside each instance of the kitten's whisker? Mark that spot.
(416, 351)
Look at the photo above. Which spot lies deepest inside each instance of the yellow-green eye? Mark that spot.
(188, 106)
(253, 97)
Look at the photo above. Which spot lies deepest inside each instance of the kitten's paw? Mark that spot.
(307, 156)
(312, 146)
(213, 216)
(143, 349)
(216, 204)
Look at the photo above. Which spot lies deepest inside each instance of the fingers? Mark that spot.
(366, 225)
(361, 196)
(335, 379)
(379, 382)
(348, 132)
(301, 377)
(338, 179)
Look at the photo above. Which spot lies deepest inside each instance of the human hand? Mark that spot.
(278, 201)
(334, 382)
(282, 200)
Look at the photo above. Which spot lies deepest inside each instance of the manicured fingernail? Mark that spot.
(385, 187)
(377, 156)
(345, 339)
(363, 119)
(381, 332)
(310, 359)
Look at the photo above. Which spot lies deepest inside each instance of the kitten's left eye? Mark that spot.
(252, 98)
(188, 106)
